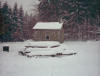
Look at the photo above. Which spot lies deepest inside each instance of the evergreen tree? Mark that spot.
(15, 21)
(6, 11)
(75, 11)
(97, 7)
(21, 15)
(15, 17)
(20, 21)
(1, 20)
(48, 10)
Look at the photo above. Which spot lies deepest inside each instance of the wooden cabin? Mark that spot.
(98, 33)
(48, 31)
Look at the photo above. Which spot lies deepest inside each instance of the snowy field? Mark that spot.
(85, 63)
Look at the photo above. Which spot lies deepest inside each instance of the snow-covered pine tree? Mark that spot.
(6, 12)
(10, 29)
(80, 12)
(15, 22)
(97, 7)
(77, 10)
(1, 22)
(48, 10)
(1, 19)
(20, 22)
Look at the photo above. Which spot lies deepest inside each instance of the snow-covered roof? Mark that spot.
(48, 25)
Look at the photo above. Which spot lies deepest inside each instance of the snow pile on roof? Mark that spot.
(48, 25)
(43, 43)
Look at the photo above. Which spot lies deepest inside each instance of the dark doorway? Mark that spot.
(47, 37)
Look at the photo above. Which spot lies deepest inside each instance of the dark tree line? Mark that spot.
(79, 14)
(71, 10)
(11, 22)
(15, 24)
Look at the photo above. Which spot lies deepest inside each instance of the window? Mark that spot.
(6, 48)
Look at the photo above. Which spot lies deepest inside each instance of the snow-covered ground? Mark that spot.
(85, 63)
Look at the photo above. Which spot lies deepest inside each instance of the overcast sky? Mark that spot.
(27, 4)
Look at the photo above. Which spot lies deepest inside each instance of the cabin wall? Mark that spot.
(62, 35)
(48, 35)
